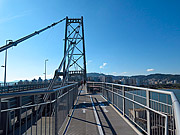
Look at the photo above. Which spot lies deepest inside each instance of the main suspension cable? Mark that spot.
(11, 44)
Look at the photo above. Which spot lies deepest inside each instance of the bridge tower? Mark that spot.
(75, 59)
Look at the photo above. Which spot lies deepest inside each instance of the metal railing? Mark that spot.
(21, 83)
(154, 112)
(24, 87)
(28, 117)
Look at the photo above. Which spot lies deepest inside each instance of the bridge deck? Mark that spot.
(84, 121)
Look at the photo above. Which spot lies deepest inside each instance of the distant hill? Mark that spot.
(94, 74)
(101, 74)
(158, 76)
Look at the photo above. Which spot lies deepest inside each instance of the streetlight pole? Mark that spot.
(45, 68)
(5, 65)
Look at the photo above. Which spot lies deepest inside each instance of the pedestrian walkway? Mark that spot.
(93, 115)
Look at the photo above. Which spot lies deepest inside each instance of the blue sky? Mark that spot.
(123, 37)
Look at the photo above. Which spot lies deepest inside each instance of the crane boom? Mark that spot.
(11, 44)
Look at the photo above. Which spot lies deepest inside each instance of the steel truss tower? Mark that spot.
(74, 35)
(73, 64)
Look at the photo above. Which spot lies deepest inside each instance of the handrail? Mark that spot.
(28, 93)
(25, 113)
(16, 84)
(176, 107)
(135, 87)
(175, 102)
(24, 87)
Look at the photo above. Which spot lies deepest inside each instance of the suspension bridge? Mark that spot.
(74, 106)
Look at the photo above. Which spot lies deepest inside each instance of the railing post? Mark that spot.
(117, 91)
(123, 92)
(102, 87)
(166, 125)
(68, 101)
(133, 109)
(77, 92)
(0, 115)
(19, 103)
(112, 95)
(148, 113)
(56, 105)
(33, 102)
(106, 91)
(176, 110)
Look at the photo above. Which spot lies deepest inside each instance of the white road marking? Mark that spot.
(103, 106)
(97, 119)
(104, 109)
(84, 110)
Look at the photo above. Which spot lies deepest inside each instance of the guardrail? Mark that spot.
(24, 87)
(29, 117)
(154, 112)
(21, 83)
